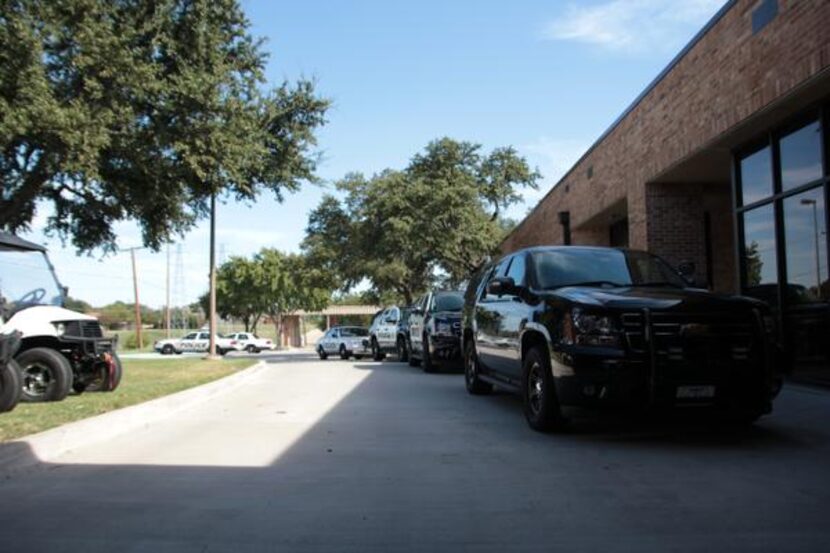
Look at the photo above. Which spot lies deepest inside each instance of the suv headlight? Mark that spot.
(591, 329)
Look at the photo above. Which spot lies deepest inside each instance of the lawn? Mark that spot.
(143, 380)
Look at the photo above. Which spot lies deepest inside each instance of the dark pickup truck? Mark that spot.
(584, 326)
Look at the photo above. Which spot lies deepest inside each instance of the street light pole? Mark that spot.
(815, 231)
(212, 314)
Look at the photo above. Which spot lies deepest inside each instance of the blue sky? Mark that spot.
(547, 77)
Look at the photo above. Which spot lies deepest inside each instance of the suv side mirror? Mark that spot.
(501, 286)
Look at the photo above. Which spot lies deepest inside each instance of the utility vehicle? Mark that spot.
(60, 350)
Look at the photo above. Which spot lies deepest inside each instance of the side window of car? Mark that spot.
(204, 336)
(498, 271)
(335, 334)
(516, 271)
(393, 314)
(191, 336)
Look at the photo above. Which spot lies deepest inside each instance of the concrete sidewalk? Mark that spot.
(360, 456)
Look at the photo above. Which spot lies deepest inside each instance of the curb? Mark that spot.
(45, 446)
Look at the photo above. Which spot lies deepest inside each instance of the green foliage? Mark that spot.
(131, 109)
(74, 304)
(271, 283)
(402, 229)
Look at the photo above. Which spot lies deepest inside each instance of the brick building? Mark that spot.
(723, 161)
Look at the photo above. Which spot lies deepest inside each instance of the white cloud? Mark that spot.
(632, 25)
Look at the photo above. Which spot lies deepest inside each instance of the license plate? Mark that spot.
(695, 392)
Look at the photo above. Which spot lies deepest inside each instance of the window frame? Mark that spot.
(772, 138)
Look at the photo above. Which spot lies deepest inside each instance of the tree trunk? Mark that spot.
(278, 328)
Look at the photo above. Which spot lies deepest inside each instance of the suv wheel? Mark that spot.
(426, 361)
(475, 385)
(343, 353)
(322, 353)
(403, 351)
(45, 374)
(377, 355)
(10, 386)
(541, 406)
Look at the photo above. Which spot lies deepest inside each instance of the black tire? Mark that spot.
(168, 349)
(107, 382)
(475, 386)
(250, 348)
(426, 360)
(322, 353)
(45, 375)
(10, 386)
(344, 353)
(358, 357)
(541, 405)
(221, 351)
(377, 355)
(403, 351)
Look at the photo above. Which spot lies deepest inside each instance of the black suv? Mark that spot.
(585, 326)
(435, 329)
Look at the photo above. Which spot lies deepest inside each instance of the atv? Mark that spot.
(60, 350)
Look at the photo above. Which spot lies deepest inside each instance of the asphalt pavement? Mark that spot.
(350, 456)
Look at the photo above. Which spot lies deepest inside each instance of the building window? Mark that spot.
(756, 176)
(801, 156)
(760, 260)
(806, 234)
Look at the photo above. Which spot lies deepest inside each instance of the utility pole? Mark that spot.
(167, 306)
(212, 314)
(137, 304)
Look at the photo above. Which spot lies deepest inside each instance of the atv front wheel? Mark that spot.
(45, 374)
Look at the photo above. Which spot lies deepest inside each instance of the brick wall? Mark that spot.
(729, 75)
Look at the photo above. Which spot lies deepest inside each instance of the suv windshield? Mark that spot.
(27, 279)
(448, 301)
(581, 267)
(353, 332)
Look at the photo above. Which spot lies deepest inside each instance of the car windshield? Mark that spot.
(353, 332)
(27, 279)
(582, 267)
(448, 301)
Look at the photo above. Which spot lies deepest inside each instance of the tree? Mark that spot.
(402, 229)
(289, 284)
(754, 265)
(75, 304)
(239, 292)
(131, 109)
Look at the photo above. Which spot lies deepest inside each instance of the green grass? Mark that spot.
(143, 380)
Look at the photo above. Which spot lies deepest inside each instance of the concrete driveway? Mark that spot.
(378, 457)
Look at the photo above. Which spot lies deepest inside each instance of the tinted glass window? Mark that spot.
(760, 258)
(806, 239)
(517, 269)
(801, 156)
(576, 267)
(756, 176)
(448, 301)
(204, 336)
(191, 336)
(353, 332)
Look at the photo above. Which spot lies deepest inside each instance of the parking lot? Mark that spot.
(338, 455)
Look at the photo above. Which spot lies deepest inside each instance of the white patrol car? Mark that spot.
(250, 342)
(196, 342)
(344, 341)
